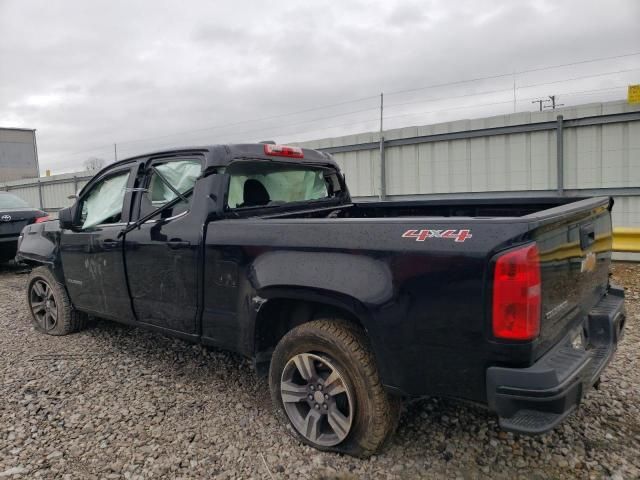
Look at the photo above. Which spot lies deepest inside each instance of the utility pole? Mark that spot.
(514, 92)
(540, 101)
(553, 105)
(115, 151)
(383, 169)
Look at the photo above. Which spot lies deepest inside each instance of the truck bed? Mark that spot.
(462, 207)
(458, 207)
(430, 294)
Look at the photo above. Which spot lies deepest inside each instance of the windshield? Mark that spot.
(11, 201)
(263, 183)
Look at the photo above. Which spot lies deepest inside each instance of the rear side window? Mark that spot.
(178, 175)
(8, 200)
(255, 184)
(103, 204)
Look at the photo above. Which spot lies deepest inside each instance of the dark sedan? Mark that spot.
(15, 214)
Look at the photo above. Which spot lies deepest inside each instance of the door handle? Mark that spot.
(175, 244)
(111, 244)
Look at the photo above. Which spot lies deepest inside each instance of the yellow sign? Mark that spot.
(633, 96)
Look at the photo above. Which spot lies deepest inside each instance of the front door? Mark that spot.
(162, 255)
(92, 255)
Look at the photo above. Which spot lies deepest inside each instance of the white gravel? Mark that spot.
(117, 402)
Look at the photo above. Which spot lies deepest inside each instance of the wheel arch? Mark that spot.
(39, 246)
(282, 309)
(54, 267)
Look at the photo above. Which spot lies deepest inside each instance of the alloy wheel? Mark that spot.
(317, 399)
(43, 305)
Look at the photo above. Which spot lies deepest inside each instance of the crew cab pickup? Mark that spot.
(348, 307)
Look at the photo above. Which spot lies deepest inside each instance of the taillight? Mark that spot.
(516, 294)
(283, 151)
(46, 218)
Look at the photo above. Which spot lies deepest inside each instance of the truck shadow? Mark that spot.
(426, 429)
(15, 268)
(185, 384)
(188, 383)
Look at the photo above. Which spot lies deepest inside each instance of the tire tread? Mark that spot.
(386, 408)
(72, 320)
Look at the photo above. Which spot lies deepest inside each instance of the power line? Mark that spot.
(261, 131)
(266, 131)
(215, 127)
(581, 77)
(317, 119)
(374, 121)
(502, 75)
(227, 125)
(487, 92)
(242, 122)
(279, 127)
(256, 133)
(346, 102)
(329, 117)
(487, 104)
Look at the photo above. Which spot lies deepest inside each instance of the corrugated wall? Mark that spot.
(596, 158)
(55, 190)
(602, 156)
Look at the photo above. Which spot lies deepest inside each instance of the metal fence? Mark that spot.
(587, 150)
(533, 153)
(48, 193)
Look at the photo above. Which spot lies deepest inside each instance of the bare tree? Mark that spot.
(94, 163)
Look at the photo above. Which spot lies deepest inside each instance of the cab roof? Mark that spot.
(222, 155)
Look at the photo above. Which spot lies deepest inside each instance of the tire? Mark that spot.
(49, 304)
(357, 416)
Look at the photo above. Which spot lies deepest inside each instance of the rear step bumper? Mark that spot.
(535, 399)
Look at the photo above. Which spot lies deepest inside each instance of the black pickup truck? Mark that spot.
(349, 307)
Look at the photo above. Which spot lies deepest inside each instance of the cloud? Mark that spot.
(147, 75)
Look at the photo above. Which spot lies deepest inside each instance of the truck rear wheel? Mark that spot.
(325, 385)
(51, 309)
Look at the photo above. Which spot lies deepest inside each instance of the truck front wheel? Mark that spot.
(325, 385)
(51, 309)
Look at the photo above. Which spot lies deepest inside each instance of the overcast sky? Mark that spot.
(151, 74)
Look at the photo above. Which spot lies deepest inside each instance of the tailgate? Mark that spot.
(575, 243)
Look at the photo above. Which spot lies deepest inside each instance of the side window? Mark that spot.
(103, 204)
(181, 175)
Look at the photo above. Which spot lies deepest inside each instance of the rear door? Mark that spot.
(575, 254)
(92, 253)
(163, 254)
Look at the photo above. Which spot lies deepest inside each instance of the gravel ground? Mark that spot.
(117, 402)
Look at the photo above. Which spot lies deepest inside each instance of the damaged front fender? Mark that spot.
(39, 243)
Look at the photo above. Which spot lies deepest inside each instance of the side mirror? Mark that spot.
(65, 217)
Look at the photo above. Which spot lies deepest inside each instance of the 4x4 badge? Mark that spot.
(422, 235)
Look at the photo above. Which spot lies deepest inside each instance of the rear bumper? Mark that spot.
(535, 399)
